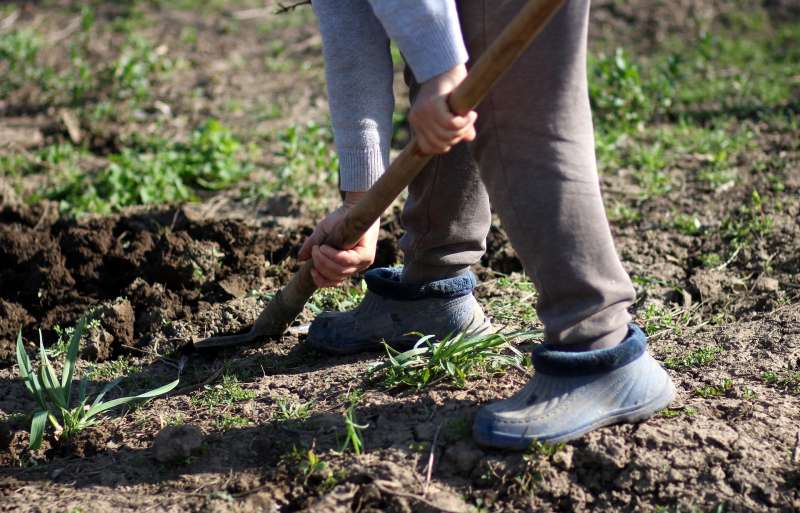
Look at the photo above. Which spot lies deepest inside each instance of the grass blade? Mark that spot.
(49, 379)
(99, 408)
(38, 423)
(72, 358)
(105, 390)
(28, 374)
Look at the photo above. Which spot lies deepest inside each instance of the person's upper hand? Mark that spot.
(331, 265)
(436, 128)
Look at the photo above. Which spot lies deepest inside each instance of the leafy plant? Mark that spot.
(617, 91)
(158, 173)
(18, 51)
(226, 393)
(53, 395)
(353, 431)
(288, 410)
(456, 358)
(700, 357)
(311, 164)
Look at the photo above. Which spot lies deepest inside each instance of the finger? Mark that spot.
(330, 269)
(429, 147)
(350, 258)
(310, 242)
(433, 141)
(471, 134)
(322, 282)
(454, 123)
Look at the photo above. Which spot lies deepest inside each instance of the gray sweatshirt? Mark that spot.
(358, 70)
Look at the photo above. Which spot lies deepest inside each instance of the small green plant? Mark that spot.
(620, 212)
(122, 366)
(617, 91)
(19, 50)
(311, 163)
(133, 73)
(537, 448)
(311, 466)
(725, 387)
(659, 319)
(529, 475)
(699, 357)
(228, 392)
(353, 430)
(709, 260)
(231, 421)
(54, 395)
(455, 358)
(751, 222)
(789, 380)
(159, 172)
(289, 410)
(687, 224)
(339, 299)
(686, 411)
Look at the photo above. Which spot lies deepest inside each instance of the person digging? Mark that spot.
(528, 151)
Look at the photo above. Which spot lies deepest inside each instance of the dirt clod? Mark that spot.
(176, 443)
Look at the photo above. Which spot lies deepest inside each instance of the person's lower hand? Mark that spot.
(436, 128)
(331, 265)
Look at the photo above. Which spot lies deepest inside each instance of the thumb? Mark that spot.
(310, 242)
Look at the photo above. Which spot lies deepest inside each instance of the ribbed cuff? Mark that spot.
(442, 49)
(359, 169)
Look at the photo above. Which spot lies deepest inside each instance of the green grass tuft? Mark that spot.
(455, 359)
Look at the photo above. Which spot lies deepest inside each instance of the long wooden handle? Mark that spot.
(289, 301)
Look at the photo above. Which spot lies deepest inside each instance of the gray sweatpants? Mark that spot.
(534, 161)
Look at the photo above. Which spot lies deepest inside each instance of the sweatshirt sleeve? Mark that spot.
(359, 75)
(427, 32)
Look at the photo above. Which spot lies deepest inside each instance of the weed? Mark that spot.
(455, 358)
(687, 224)
(530, 475)
(649, 163)
(311, 466)
(789, 380)
(310, 162)
(514, 302)
(231, 421)
(710, 260)
(537, 448)
(700, 357)
(112, 369)
(353, 431)
(162, 173)
(725, 387)
(19, 50)
(292, 410)
(620, 212)
(658, 319)
(748, 224)
(685, 411)
(223, 394)
(338, 299)
(53, 395)
(133, 72)
(616, 90)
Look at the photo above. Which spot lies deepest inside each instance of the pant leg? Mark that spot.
(446, 215)
(535, 149)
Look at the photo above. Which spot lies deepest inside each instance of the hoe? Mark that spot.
(289, 302)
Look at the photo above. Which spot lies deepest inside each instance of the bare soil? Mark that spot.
(159, 279)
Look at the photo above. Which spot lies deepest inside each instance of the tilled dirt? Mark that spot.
(135, 273)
